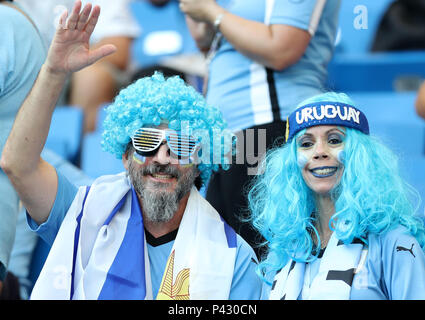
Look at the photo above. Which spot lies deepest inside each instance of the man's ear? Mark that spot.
(127, 153)
(125, 159)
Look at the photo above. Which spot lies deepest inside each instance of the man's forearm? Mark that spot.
(201, 32)
(29, 133)
(276, 46)
(34, 179)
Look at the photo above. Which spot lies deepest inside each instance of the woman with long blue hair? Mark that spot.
(338, 220)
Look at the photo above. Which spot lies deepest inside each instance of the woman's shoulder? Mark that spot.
(396, 240)
(400, 261)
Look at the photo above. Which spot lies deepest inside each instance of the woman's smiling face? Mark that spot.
(320, 150)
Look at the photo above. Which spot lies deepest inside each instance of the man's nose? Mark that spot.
(163, 154)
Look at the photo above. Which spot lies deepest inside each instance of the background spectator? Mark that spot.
(97, 84)
(420, 101)
(165, 43)
(402, 27)
(21, 56)
(264, 58)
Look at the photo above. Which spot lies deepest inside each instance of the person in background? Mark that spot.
(28, 254)
(21, 55)
(97, 84)
(165, 43)
(143, 233)
(420, 101)
(264, 58)
(338, 219)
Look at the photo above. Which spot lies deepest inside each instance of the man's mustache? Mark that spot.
(160, 169)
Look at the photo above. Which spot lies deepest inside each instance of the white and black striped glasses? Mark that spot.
(147, 141)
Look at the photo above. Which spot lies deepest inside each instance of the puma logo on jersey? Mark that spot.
(400, 248)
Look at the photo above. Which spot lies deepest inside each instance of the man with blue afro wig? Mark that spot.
(147, 232)
(152, 101)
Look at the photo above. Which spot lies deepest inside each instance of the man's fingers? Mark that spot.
(62, 20)
(101, 52)
(75, 15)
(92, 20)
(84, 16)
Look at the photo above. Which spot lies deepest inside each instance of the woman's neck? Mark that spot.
(325, 210)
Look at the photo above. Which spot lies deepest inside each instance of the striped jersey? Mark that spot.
(250, 94)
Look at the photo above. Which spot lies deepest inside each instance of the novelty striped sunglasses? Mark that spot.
(147, 141)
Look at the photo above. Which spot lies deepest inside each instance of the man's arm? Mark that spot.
(34, 179)
(201, 32)
(275, 46)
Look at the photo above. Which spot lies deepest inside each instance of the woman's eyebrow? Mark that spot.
(335, 129)
(305, 135)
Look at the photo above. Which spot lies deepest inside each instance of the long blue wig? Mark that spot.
(370, 198)
(154, 100)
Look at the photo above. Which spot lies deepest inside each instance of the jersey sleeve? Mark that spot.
(403, 266)
(302, 14)
(64, 197)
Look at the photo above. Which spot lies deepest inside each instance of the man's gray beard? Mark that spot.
(160, 205)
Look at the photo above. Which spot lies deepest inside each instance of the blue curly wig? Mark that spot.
(153, 100)
(370, 198)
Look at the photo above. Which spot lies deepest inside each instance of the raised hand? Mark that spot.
(70, 50)
(200, 10)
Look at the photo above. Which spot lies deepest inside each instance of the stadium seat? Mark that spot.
(66, 132)
(392, 118)
(96, 162)
(164, 33)
(388, 106)
(403, 138)
(101, 115)
(413, 171)
(388, 71)
(358, 22)
(354, 68)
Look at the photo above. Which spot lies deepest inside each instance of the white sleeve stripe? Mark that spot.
(269, 10)
(315, 16)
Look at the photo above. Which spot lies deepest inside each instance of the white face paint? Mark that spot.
(341, 156)
(301, 160)
(321, 156)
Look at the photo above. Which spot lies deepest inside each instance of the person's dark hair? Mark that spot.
(150, 71)
(159, 3)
